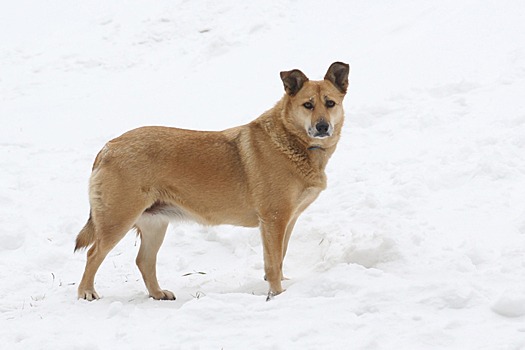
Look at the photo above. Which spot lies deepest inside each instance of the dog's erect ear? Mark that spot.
(338, 75)
(293, 81)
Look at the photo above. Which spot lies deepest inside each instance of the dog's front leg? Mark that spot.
(273, 233)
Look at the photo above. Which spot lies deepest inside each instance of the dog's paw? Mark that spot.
(272, 294)
(163, 295)
(88, 294)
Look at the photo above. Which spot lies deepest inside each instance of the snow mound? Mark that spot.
(511, 303)
(370, 250)
(11, 239)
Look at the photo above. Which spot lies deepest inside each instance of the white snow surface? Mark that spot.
(417, 243)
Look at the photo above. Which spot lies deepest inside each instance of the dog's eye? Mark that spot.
(308, 105)
(330, 103)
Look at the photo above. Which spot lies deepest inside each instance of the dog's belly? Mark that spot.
(224, 216)
(170, 211)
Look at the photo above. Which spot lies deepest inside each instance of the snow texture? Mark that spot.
(417, 243)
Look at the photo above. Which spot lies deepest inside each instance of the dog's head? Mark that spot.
(314, 108)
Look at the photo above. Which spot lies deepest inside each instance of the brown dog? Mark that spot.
(265, 174)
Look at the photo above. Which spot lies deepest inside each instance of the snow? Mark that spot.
(511, 303)
(417, 243)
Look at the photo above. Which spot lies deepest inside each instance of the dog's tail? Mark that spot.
(86, 237)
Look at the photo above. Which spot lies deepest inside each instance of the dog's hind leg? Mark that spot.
(86, 288)
(107, 238)
(152, 229)
(114, 212)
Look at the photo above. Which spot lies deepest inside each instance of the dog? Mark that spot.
(265, 174)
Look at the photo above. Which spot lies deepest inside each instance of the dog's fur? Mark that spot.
(265, 174)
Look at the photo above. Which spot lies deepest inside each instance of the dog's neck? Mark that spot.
(310, 160)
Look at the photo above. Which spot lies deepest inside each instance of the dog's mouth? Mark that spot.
(320, 135)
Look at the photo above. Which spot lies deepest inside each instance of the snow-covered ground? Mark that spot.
(418, 242)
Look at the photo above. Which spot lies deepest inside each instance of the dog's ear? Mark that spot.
(337, 74)
(293, 81)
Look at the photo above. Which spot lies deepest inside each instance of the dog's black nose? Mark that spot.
(322, 127)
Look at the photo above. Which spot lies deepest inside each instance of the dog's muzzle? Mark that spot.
(321, 130)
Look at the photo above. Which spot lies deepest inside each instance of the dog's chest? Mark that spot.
(306, 197)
